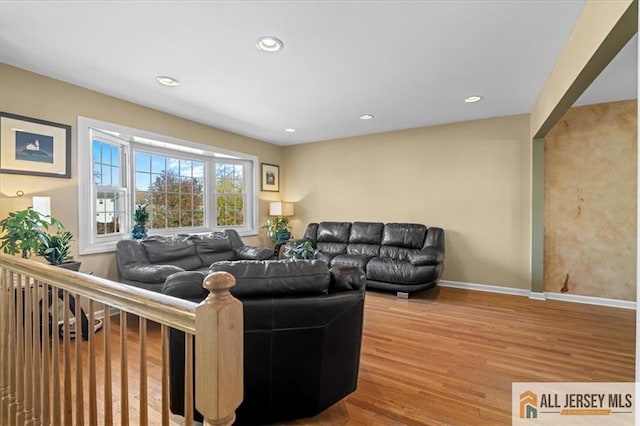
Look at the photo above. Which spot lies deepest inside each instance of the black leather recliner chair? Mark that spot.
(302, 335)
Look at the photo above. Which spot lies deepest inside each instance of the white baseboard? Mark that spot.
(485, 287)
(537, 295)
(601, 301)
(590, 300)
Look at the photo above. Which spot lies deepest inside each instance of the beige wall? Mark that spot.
(33, 95)
(471, 178)
(590, 202)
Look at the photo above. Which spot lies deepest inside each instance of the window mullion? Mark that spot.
(210, 195)
(128, 182)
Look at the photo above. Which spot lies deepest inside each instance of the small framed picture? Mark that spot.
(30, 146)
(270, 177)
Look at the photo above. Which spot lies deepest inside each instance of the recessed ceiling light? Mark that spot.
(269, 44)
(366, 116)
(472, 99)
(290, 130)
(167, 81)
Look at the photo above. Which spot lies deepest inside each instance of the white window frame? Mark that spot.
(88, 240)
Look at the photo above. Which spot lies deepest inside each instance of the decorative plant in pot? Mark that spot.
(56, 249)
(303, 250)
(140, 217)
(25, 232)
(278, 229)
(21, 231)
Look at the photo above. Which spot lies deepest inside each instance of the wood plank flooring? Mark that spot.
(448, 356)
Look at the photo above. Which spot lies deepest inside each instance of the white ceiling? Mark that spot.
(409, 63)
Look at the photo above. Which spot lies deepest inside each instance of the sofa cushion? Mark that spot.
(407, 235)
(264, 278)
(397, 253)
(351, 260)
(213, 242)
(366, 233)
(332, 249)
(333, 232)
(212, 247)
(152, 274)
(178, 250)
(324, 257)
(369, 250)
(400, 272)
(332, 239)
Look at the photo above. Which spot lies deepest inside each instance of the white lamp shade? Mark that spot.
(42, 205)
(280, 208)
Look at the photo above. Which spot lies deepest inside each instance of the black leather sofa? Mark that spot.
(147, 263)
(400, 257)
(302, 335)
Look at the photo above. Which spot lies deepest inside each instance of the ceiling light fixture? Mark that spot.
(472, 99)
(290, 130)
(269, 44)
(167, 81)
(366, 116)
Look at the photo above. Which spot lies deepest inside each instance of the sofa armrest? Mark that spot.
(435, 238)
(426, 256)
(254, 253)
(347, 278)
(149, 273)
(186, 285)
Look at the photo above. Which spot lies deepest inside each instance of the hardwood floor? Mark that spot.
(448, 356)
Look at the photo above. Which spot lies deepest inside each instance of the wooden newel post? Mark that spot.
(219, 351)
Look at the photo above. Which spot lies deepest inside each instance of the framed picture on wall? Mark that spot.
(270, 177)
(29, 146)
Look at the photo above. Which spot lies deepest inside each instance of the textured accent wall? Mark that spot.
(590, 202)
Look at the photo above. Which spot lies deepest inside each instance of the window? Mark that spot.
(230, 194)
(173, 188)
(109, 195)
(188, 187)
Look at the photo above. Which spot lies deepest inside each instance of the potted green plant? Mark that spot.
(22, 231)
(303, 250)
(140, 218)
(55, 248)
(278, 229)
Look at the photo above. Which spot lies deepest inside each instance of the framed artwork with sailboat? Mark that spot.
(30, 146)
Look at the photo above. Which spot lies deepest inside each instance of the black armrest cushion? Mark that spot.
(347, 278)
(149, 273)
(186, 285)
(254, 253)
(426, 256)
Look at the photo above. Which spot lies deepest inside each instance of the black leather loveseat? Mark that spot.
(302, 335)
(147, 263)
(400, 257)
